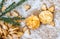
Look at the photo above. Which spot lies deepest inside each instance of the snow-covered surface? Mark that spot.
(45, 31)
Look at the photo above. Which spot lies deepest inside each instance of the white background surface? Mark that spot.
(41, 33)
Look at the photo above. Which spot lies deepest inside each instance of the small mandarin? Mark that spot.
(46, 17)
(33, 22)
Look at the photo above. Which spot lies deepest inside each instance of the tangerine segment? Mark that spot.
(52, 8)
(44, 7)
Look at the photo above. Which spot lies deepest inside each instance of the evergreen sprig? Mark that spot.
(8, 9)
(11, 7)
(9, 20)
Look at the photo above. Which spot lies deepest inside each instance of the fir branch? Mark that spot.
(12, 7)
(8, 9)
(9, 20)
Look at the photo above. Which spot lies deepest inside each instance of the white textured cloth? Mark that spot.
(45, 31)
